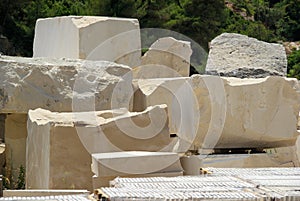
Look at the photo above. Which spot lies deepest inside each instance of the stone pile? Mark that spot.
(61, 85)
(69, 113)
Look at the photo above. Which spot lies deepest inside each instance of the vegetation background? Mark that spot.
(201, 20)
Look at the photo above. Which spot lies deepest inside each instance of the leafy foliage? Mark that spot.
(21, 178)
(9, 182)
(199, 19)
(294, 64)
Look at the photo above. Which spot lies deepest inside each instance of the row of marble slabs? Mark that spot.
(222, 184)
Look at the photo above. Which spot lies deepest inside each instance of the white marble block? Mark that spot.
(89, 37)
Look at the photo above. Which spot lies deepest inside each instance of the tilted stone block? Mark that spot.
(59, 145)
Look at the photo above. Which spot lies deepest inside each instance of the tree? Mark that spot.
(289, 25)
(199, 19)
(10, 27)
(18, 18)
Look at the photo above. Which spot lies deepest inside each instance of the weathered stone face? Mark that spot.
(227, 112)
(167, 57)
(260, 112)
(62, 85)
(89, 37)
(67, 141)
(236, 55)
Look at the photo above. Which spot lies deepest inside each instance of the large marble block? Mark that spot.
(89, 37)
(236, 55)
(260, 112)
(219, 112)
(59, 145)
(62, 85)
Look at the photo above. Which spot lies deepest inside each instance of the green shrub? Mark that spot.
(294, 64)
(21, 178)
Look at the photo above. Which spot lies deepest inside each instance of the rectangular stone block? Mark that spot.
(237, 55)
(59, 145)
(89, 37)
(62, 85)
(134, 162)
(217, 112)
(260, 112)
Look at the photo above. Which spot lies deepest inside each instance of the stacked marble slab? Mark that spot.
(222, 184)
(47, 198)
